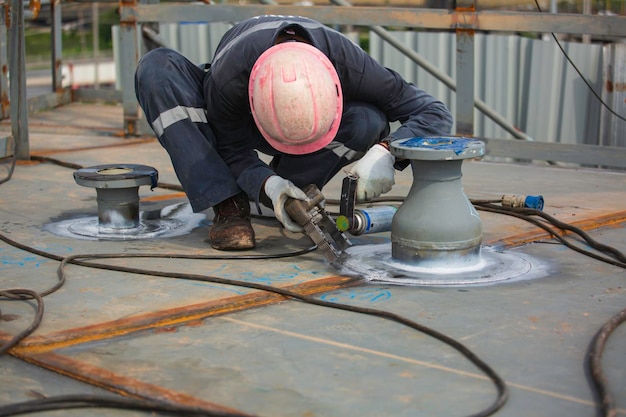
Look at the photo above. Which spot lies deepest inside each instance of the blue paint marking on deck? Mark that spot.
(13, 257)
(371, 295)
(307, 271)
(271, 279)
(8, 261)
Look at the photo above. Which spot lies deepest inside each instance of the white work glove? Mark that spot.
(374, 173)
(279, 190)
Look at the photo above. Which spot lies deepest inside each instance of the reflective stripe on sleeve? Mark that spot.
(178, 113)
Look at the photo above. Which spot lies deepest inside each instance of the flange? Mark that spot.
(117, 189)
(436, 224)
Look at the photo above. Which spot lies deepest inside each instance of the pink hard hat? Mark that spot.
(295, 98)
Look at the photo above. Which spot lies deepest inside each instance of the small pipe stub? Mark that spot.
(437, 225)
(117, 189)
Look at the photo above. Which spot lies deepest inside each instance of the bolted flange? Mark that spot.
(437, 225)
(117, 189)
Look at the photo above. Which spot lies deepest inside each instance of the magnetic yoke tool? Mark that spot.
(318, 225)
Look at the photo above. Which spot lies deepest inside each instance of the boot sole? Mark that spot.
(234, 245)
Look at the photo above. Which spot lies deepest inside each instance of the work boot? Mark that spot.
(232, 229)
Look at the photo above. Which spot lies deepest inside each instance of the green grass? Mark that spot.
(75, 43)
(74, 46)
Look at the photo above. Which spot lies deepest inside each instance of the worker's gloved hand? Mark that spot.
(374, 172)
(279, 190)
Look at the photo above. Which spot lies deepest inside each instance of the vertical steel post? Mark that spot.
(154, 27)
(465, 69)
(4, 65)
(129, 57)
(586, 38)
(57, 45)
(17, 72)
(95, 30)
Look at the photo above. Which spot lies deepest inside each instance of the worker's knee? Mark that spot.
(158, 67)
(165, 78)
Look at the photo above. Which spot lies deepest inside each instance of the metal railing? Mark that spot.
(463, 21)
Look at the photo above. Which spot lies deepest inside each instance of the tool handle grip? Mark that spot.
(300, 210)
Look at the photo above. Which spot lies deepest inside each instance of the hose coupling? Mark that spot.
(527, 201)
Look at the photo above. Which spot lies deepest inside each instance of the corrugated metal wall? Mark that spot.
(527, 81)
(612, 128)
(197, 41)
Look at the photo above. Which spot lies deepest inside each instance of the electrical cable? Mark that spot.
(80, 401)
(13, 161)
(598, 380)
(525, 214)
(502, 391)
(83, 401)
(498, 381)
(487, 205)
(582, 77)
(54, 161)
(594, 364)
(66, 402)
(23, 294)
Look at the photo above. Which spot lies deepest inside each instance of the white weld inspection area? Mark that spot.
(375, 263)
(174, 220)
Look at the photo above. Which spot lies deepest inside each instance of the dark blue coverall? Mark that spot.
(201, 114)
